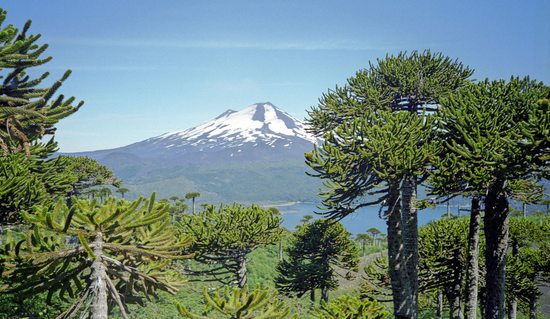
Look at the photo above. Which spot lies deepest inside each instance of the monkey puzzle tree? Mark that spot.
(122, 191)
(27, 112)
(239, 303)
(380, 140)
(500, 129)
(347, 307)
(528, 263)
(88, 173)
(192, 196)
(29, 180)
(123, 249)
(224, 236)
(316, 249)
(443, 251)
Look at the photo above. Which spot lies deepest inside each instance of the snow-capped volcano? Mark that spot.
(258, 133)
(260, 123)
(256, 154)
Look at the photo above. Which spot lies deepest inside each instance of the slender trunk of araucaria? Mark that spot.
(193, 200)
(281, 249)
(439, 310)
(496, 234)
(410, 239)
(472, 273)
(513, 302)
(312, 295)
(513, 309)
(99, 284)
(533, 307)
(241, 272)
(324, 294)
(402, 301)
(454, 294)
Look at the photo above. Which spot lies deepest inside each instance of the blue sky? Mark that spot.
(148, 67)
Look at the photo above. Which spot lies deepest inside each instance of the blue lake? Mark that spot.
(357, 222)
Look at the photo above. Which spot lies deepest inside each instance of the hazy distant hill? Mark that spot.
(255, 154)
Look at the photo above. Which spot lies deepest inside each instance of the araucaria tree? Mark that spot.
(500, 129)
(317, 253)
(27, 111)
(122, 250)
(380, 139)
(240, 303)
(443, 251)
(224, 236)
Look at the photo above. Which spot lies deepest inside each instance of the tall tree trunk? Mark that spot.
(513, 303)
(100, 308)
(496, 233)
(324, 294)
(193, 200)
(513, 309)
(312, 295)
(455, 292)
(472, 274)
(241, 272)
(398, 271)
(533, 307)
(439, 310)
(410, 239)
(281, 249)
(524, 209)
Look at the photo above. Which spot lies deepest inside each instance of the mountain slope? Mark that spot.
(256, 154)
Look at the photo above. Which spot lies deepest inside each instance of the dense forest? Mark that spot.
(70, 248)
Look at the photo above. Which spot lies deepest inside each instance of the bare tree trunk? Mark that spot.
(193, 200)
(454, 302)
(398, 271)
(324, 294)
(241, 272)
(533, 307)
(524, 209)
(100, 307)
(513, 303)
(439, 310)
(496, 233)
(410, 239)
(513, 309)
(472, 274)
(281, 249)
(312, 295)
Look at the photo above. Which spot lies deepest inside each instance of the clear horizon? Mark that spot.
(145, 68)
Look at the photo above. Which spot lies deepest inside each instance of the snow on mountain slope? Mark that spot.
(258, 123)
(256, 154)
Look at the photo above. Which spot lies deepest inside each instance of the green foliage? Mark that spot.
(224, 236)
(133, 242)
(192, 195)
(29, 180)
(88, 173)
(27, 112)
(376, 283)
(442, 248)
(497, 130)
(411, 82)
(350, 308)
(242, 304)
(528, 264)
(314, 251)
